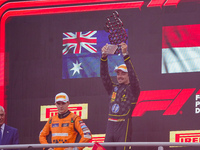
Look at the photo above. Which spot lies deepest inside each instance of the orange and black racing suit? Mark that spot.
(122, 102)
(64, 129)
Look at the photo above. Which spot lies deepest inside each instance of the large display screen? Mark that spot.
(41, 61)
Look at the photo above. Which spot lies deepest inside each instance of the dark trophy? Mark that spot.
(117, 35)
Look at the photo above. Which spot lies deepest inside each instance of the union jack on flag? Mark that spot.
(79, 42)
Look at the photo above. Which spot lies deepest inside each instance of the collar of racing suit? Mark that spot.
(64, 115)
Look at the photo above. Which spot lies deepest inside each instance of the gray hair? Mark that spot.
(1, 107)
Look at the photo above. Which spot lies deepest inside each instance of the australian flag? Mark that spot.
(82, 54)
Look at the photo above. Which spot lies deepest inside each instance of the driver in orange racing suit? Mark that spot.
(65, 126)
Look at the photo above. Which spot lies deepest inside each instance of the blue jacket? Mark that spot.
(10, 136)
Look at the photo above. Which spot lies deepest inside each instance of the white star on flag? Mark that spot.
(76, 68)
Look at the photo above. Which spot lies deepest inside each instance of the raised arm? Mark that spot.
(106, 79)
(134, 81)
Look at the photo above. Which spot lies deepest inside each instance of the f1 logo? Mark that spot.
(169, 100)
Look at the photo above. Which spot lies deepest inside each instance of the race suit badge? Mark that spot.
(115, 89)
(113, 96)
(115, 108)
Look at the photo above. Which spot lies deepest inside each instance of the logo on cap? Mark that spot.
(122, 68)
(61, 97)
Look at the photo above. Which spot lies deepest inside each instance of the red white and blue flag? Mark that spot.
(82, 54)
(181, 49)
(79, 42)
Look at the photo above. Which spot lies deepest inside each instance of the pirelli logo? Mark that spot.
(47, 111)
(61, 96)
(99, 138)
(191, 136)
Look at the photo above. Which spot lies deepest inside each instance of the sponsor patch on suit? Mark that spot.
(55, 125)
(65, 125)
